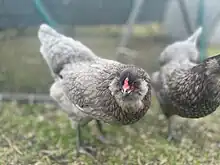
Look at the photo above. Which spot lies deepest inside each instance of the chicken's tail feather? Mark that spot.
(59, 50)
(210, 65)
(195, 36)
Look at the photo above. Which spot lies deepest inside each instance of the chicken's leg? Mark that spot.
(171, 135)
(102, 133)
(80, 147)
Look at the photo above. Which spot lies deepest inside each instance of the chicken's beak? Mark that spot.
(126, 91)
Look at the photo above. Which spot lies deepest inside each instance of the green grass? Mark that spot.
(36, 134)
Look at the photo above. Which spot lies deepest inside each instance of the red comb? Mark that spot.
(126, 85)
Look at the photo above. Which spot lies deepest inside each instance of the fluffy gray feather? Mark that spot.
(59, 50)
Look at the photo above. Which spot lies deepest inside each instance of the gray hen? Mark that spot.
(88, 87)
(183, 86)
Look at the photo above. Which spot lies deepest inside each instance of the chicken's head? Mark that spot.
(128, 82)
(129, 85)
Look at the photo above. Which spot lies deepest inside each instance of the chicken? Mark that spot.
(184, 86)
(88, 87)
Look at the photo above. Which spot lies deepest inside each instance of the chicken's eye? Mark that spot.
(136, 84)
(133, 87)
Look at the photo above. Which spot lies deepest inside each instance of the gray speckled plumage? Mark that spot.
(87, 86)
(195, 92)
(91, 91)
(184, 86)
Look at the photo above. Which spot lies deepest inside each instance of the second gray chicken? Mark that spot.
(184, 86)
